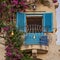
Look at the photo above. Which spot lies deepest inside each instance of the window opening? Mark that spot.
(34, 24)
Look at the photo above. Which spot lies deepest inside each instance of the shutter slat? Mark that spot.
(48, 22)
(21, 21)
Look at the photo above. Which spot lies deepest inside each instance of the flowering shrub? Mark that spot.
(13, 43)
(8, 9)
(12, 5)
(13, 53)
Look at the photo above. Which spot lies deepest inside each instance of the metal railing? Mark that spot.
(33, 28)
(44, 40)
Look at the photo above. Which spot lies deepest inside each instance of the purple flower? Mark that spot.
(8, 48)
(0, 10)
(54, 1)
(16, 50)
(25, 6)
(6, 28)
(8, 54)
(4, 4)
(14, 2)
(12, 9)
(22, 3)
(18, 56)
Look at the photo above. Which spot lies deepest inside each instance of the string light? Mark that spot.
(12, 33)
(34, 7)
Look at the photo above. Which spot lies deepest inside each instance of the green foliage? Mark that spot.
(42, 1)
(7, 58)
(26, 57)
(13, 43)
(16, 38)
(1, 24)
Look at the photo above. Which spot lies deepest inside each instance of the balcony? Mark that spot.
(40, 48)
(43, 45)
(56, 4)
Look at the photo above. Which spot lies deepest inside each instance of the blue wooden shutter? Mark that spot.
(21, 21)
(48, 22)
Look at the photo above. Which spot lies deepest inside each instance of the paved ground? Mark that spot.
(2, 49)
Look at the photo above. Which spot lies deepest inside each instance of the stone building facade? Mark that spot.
(39, 24)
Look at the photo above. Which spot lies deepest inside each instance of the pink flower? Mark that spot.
(22, 3)
(6, 28)
(25, 6)
(4, 4)
(54, 1)
(0, 10)
(14, 2)
(9, 54)
(11, 10)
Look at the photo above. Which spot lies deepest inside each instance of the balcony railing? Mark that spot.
(33, 28)
(44, 40)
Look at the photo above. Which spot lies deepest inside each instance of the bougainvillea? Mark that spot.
(8, 9)
(13, 44)
(15, 4)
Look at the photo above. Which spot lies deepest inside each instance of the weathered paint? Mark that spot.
(48, 22)
(21, 21)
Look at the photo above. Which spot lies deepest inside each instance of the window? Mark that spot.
(34, 24)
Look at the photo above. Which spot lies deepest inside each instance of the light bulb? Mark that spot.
(34, 37)
(34, 7)
(12, 33)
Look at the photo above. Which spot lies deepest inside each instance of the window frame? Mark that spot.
(34, 15)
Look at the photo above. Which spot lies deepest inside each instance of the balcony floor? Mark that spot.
(37, 48)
